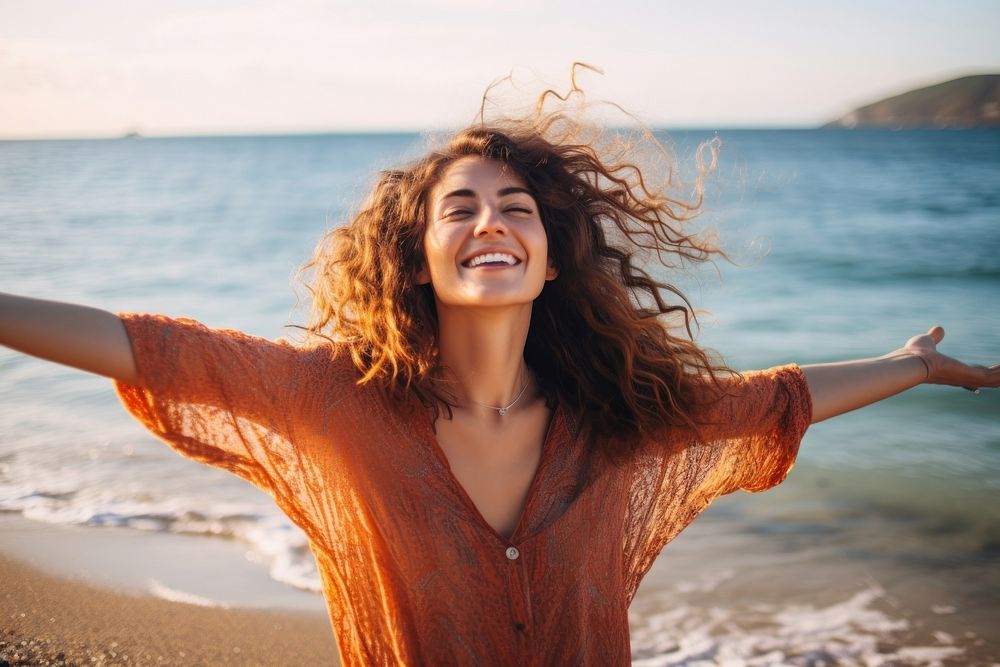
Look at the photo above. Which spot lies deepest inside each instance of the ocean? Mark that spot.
(882, 547)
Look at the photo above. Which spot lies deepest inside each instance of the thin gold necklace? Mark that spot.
(504, 409)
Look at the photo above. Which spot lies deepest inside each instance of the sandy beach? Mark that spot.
(62, 617)
(52, 621)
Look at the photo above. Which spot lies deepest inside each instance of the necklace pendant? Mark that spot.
(502, 411)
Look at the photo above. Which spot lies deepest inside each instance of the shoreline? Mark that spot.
(204, 571)
(734, 584)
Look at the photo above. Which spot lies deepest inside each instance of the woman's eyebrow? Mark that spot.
(513, 190)
(459, 193)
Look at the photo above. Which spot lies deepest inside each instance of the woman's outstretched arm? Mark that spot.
(841, 387)
(86, 338)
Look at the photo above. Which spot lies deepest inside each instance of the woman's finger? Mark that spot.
(989, 378)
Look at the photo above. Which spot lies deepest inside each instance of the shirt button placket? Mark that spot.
(517, 596)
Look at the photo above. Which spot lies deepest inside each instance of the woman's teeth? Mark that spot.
(492, 258)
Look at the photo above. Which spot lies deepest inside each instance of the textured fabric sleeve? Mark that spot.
(751, 436)
(217, 396)
(747, 439)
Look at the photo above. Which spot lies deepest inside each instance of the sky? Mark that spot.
(176, 67)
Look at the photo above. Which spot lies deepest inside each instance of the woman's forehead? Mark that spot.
(477, 174)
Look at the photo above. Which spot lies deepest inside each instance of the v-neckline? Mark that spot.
(427, 433)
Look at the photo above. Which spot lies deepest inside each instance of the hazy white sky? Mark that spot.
(102, 67)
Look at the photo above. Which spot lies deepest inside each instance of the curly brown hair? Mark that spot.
(610, 342)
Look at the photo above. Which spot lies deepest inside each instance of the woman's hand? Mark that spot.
(942, 369)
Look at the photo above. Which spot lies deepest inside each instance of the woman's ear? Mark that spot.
(551, 272)
(422, 277)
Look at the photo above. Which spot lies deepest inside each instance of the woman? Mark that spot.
(500, 419)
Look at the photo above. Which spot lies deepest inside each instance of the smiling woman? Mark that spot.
(499, 418)
(549, 193)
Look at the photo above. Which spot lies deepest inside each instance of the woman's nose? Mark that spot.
(490, 221)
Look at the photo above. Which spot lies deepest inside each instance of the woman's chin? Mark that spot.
(488, 298)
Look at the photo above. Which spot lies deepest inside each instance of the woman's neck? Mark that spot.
(483, 353)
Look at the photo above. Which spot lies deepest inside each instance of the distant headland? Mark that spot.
(970, 101)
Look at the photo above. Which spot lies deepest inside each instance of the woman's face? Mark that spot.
(484, 244)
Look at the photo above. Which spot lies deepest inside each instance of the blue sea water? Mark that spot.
(845, 243)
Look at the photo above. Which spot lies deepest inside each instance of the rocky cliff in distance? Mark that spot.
(971, 101)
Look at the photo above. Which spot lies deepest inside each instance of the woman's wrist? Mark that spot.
(918, 368)
(924, 364)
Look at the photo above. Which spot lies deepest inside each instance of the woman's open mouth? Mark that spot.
(491, 259)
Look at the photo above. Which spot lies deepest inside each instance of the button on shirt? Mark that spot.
(410, 571)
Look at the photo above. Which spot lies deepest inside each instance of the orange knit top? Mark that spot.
(411, 572)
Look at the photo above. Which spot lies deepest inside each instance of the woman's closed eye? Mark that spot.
(458, 213)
